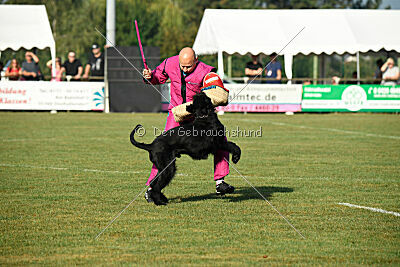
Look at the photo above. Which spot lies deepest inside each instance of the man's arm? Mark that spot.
(34, 57)
(395, 77)
(248, 72)
(87, 70)
(279, 71)
(27, 73)
(278, 74)
(158, 75)
(80, 70)
(384, 66)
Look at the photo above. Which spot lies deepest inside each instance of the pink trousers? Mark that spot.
(221, 167)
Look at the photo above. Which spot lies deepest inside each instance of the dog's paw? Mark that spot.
(160, 203)
(158, 198)
(236, 157)
(163, 198)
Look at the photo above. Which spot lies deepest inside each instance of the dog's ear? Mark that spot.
(190, 108)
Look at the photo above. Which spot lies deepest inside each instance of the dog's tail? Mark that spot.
(137, 144)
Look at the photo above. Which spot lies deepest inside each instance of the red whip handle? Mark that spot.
(140, 45)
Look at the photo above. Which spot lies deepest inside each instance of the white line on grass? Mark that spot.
(77, 169)
(58, 138)
(27, 139)
(371, 209)
(327, 129)
(65, 169)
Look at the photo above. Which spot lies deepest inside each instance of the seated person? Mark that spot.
(72, 67)
(273, 70)
(378, 72)
(335, 80)
(390, 73)
(30, 67)
(253, 68)
(95, 65)
(58, 74)
(354, 79)
(13, 72)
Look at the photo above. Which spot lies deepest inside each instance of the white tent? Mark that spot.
(325, 31)
(26, 26)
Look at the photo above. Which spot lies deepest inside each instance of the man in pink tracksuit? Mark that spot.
(186, 74)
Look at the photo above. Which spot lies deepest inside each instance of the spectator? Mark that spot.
(378, 72)
(1, 69)
(72, 67)
(273, 70)
(335, 80)
(13, 72)
(58, 73)
(95, 63)
(354, 79)
(390, 73)
(30, 67)
(253, 68)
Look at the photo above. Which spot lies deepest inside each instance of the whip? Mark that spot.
(140, 45)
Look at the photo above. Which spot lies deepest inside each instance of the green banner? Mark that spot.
(351, 98)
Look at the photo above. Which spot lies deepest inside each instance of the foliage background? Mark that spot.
(171, 25)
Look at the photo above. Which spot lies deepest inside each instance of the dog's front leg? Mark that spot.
(163, 178)
(155, 193)
(233, 149)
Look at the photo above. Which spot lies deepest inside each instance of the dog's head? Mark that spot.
(202, 105)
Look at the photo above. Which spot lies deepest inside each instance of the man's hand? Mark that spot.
(147, 73)
(77, 77)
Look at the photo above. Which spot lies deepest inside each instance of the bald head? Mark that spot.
(187, 59)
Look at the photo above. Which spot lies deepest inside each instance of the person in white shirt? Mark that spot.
(390, 73)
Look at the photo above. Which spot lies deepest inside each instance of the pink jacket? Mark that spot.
(169, 68)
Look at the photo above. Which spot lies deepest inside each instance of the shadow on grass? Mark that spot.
(240, 194)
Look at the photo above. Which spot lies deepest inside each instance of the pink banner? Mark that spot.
(253, 107)
(257, 98)
(261, 108)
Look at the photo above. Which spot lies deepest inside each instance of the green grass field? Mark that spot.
(64, 176)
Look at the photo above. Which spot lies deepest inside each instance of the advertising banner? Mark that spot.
(43, 95)
(351, 98)
(256, 98)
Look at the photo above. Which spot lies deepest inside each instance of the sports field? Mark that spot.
(64, 176)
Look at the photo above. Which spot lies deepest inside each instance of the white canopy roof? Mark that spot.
(326, 31)
(25, 26)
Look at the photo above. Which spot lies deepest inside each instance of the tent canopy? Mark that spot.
(267, 31)
(326, 31)
(25, 26)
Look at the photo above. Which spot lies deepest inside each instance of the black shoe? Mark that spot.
(147, 196)
(224, 188)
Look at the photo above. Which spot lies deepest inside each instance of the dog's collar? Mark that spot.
(202, 117)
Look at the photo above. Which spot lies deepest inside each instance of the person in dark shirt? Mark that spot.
(378, 72)
(72, 67)
(354, 79)
(253, 68)
(95, 65)
(30, 67)
(273, 70)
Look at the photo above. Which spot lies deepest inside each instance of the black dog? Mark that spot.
(204, 136)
